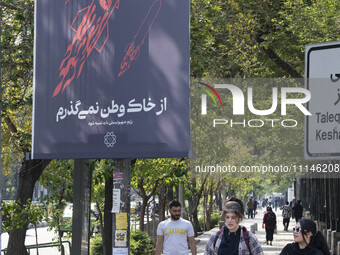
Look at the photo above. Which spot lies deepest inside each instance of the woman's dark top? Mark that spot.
(294, 249)
(230, 242)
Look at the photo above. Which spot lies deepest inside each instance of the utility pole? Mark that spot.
(121, 207)
(0, 219)
(81, 207)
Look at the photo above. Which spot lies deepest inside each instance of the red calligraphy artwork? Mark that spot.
(93, 33)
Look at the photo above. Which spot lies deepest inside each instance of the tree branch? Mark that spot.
(281, 63)
(277, 60)
(28, 6)
(9, 6)
(14, 132)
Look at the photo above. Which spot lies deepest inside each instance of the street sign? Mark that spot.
(322, 128)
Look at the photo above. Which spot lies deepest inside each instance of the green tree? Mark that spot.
(58, 177)
(17, 64)
(148, 175)
(17, 217)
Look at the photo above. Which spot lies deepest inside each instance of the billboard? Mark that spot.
(111, 79)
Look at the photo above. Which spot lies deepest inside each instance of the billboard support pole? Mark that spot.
(0, 139)
(0, 219)
(81, 207)
(121, 207)
(181, 196)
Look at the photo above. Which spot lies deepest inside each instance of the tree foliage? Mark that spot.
(17, 217)
(229, 38)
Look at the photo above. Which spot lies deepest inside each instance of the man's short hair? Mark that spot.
(174, 203)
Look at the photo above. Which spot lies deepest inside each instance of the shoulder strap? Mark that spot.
(217, 236)
(246, 237)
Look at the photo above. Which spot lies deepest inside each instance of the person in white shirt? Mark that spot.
(172, 234)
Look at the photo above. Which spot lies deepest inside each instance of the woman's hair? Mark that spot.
(236, 206)
(269, 209)
(317, 239)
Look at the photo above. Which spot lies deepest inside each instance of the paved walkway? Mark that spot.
(280, 239)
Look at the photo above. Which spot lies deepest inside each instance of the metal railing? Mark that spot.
(43, 245)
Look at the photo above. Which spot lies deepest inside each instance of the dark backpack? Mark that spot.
(245, 235)
(271, 219)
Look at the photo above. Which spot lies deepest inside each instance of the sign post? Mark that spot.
(81, 207)
(322, 128)
(115, 86)
(0, 219)
(121, 207)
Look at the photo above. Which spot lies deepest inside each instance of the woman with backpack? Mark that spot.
(232, 238)
(286, 214)
(269, 223)
(307, 240)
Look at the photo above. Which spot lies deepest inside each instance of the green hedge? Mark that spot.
(215, 219)
(96, 245)
(141, 244)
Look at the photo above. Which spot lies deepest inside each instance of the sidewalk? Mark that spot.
(280, 239)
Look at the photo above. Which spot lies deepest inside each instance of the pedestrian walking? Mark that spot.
(250, 206)
(232, 238)
(255, 204)
(298, 210)
(276, 204)
(307, 240)
(292, 204)
(269, 224)
(286, 214)
(172, 234)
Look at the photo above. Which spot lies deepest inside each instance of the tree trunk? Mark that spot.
(196, 224)
(30, 172)
(100, 215)
(162, 203)
(16, 242)
(148, 219)
(59, 211)
(142, 213)
(208, 208)
(154, 222)
(194, 201)
(36, 237)
(107, 229)
(229, 190)
(170, 194)
(205, 197)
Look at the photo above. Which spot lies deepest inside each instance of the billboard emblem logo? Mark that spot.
(110, 139)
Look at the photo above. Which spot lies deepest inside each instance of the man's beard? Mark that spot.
(175, 217)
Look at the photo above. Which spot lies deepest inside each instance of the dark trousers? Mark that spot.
(254, 212)
(269, 234)
(250, 213)
(286, 223)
